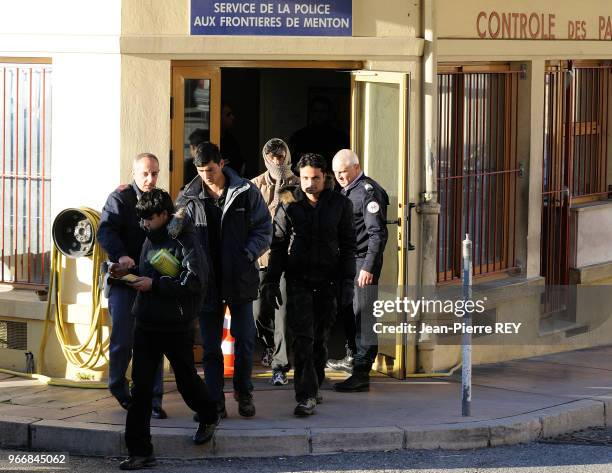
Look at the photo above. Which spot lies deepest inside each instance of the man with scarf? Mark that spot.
(271, 323)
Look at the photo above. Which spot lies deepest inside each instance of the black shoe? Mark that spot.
(345, 364)
(306, 408)
(221, 411)
(246, 408)
(354, 384)
(158, 413)
(205, 432)
(135, 462)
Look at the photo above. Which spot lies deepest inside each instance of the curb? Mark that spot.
(81, 438)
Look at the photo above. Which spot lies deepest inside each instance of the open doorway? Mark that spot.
(308, 108)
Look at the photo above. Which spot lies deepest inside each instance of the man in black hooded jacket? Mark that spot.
(166, 305)
(314, 245)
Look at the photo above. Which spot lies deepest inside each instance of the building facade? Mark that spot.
(487, 118)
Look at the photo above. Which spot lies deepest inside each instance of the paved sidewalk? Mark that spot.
(512, 402)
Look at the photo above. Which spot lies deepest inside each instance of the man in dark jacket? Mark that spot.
(314, 245)
(235, 229)
(121, 236)
(168, 300)
(370, 203)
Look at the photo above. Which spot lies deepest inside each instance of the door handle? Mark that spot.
(398, 222)
(411, 205)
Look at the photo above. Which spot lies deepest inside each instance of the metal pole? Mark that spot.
(466, 341)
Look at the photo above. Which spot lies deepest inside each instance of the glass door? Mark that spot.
(379, 136)
(196, 106)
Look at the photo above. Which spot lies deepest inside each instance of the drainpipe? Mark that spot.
(428, 207)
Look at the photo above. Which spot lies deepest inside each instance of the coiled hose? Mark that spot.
(88, 353)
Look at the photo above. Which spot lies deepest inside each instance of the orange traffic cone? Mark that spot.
(227, 345)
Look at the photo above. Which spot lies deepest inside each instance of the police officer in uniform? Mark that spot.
(370, 203)
(121, 236)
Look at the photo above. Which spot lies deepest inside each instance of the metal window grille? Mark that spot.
(478, 170)
(13, 335)
(25, 147)
(576, 104)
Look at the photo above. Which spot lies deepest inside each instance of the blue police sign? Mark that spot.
(272, 17)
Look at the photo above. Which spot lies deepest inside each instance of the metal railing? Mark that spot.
(478, 170)
(25, 147)
(575, 164)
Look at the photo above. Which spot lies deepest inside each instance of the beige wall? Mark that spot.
(145, 113)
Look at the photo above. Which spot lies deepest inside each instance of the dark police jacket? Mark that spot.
(312, 244)
(246, 231)
(119, 232)
(172, 303)
(370, 203)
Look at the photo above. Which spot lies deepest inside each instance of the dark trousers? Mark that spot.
(272, 325)
(120, 302)
(360, 320)
(149, 347)
(242, 329)
(310, 315)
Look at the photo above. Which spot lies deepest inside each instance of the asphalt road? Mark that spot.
(530, 458)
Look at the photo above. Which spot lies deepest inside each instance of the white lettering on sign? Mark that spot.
(326, 22)
(204, 21)
(234, 7)
(316, 9)
(220, 17)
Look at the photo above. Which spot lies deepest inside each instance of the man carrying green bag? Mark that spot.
(172, 278)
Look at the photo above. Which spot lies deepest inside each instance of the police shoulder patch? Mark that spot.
(373, 207)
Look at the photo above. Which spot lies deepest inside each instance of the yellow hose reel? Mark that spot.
(74, 236)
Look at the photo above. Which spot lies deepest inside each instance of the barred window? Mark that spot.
(25, 147)
(478, 169)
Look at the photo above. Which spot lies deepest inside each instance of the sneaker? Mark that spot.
(267, 356)
(306, 408)
(205, 432)
(246, 408)
(357, 382)
(134, 462)
(344, 364)
(319, 398)
(279, 378)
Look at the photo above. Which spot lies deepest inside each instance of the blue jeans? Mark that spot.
(120, 302)
(242, 329)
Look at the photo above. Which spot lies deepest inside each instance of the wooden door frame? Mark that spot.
(177, 117)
